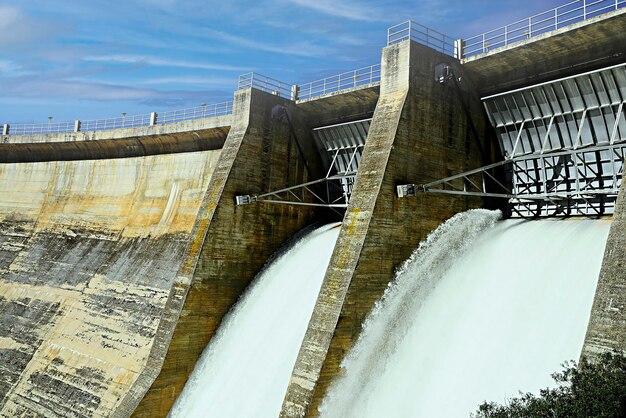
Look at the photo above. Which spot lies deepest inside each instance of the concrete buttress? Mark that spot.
(606, 331)
(231, 244)
(419, 132)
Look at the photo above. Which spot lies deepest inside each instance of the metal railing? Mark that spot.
(559, 17)
(339, 82)
(198, 112)
(266, 84)
(423, 35)
(41, 128)
(131, 121)
(114, 123)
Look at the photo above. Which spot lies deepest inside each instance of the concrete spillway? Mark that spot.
(89, 253)
(245, 370)
(481, 310)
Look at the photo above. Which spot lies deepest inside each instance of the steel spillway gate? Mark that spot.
(340, 147)
(570, 133)
(564, 145)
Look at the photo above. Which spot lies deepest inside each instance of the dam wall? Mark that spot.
(420, 130)
(112, 148)
(121, 251)
(88, 259)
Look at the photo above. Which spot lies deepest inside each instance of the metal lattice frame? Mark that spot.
(570, 113)
(307, 194)
(565, 138)
(340, 147)
(560, 183)
(564, 144)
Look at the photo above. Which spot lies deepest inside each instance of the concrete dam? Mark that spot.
(349, 222)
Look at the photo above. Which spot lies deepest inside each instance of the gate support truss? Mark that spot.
(307, 194)
(576, 181)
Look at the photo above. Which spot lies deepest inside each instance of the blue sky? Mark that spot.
(99, 58)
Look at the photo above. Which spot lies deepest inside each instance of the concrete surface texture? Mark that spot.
(419, 132)
(89, 252)
(607, 326)
(121, 251)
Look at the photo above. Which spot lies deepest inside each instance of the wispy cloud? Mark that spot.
(193, 81)
(300, 48)
(345, 9)
(76, 89)
(17, 29)
(160, 62)
(9, 67)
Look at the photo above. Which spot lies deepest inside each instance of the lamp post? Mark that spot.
(49, 124)
(123, 119)
(203, 110)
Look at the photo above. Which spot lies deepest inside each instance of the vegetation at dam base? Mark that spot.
(592, 390)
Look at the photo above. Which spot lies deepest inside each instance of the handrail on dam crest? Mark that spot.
(423, 35)
(559, 17)
(266, 84)
(339, 82)
(131, 121)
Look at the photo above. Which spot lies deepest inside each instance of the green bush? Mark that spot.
(593, 390)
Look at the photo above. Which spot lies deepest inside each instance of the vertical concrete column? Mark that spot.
(76, 126)
(295, 92)
(607, 325)
(153, 118)
(459, 49)
(419, 132)
(5, 129)
(231, 243)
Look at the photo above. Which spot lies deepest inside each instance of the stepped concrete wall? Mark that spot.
(607, 326)
(419, 132)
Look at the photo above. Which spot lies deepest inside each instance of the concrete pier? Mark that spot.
(607, 324)
(419, 131)
(230, 244)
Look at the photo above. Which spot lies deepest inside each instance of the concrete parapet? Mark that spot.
(143, 131)
(358, 103)
(419, 132)
(584, 46)
(139, 146)
(231, 244)
(606, 331)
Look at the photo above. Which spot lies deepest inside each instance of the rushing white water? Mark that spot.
(481, 310)
(245, 369)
